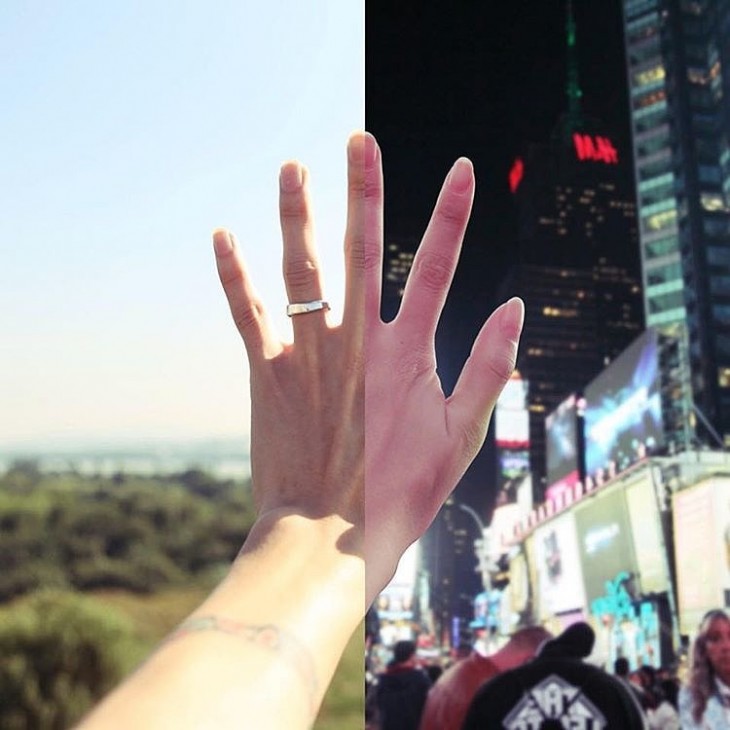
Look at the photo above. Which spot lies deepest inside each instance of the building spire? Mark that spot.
(573, 86)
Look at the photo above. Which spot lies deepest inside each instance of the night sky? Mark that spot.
(478, 78)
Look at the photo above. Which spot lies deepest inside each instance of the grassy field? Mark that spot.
(154, 616)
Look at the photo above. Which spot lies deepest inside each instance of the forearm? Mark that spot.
(261, 650)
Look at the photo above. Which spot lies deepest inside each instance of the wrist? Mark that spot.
(305, 573)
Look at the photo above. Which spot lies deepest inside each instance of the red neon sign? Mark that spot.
(595, 149)
(516, 174)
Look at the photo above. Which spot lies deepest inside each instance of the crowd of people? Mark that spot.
(538, 681)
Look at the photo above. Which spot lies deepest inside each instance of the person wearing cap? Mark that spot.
(556, 690)
(449, 699)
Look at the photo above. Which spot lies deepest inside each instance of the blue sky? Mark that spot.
(129, 131)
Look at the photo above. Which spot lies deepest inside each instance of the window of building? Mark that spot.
(670, 316)
(715, 227)
(721, 313)
(718, 255)
(660, 220)
(720, 285)
(663, 274)
(713, 202)
(709, 174)
(662, 247)
(649, 76)
(665, 302)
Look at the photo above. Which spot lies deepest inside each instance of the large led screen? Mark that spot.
(623, 416)
(561, 444)
(702, 549)
(511, 415)
(559, 575)
(604, 541)
(641, 500)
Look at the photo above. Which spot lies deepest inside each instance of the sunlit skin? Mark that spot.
(717, 643)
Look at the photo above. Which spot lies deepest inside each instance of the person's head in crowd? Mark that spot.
(670, 691)
(403, 651)
(522, 646)
(710, 660)
(621, 667)
(434, 671)
(556, 690)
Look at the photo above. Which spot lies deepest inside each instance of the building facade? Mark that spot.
(678, 65)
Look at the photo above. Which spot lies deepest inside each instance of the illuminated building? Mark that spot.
(398, 257)
(678, 55)
(578, 269)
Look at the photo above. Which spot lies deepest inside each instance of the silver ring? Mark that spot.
(304, 307)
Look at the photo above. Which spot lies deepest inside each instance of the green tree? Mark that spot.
(61, 653)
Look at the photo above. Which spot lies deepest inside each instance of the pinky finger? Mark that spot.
(485, 374)
(246, 307)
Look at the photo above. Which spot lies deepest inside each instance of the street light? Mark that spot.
(481, 546)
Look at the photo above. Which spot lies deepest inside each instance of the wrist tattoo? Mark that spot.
(267, 636)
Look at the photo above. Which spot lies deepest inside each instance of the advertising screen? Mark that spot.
(558, 569)
(646, 531)
(514, 463)
(511, 416)
(701, 516)
(395, 603)
(561, 444)
(604, 541)
(623, 416)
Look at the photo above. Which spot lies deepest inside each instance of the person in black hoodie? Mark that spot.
(556, 690)
(401, 690)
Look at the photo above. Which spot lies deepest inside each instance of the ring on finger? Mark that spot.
(306, 307)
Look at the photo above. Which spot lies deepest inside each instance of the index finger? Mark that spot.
(436, 258)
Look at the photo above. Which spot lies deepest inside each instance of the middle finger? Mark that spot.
(302, 275)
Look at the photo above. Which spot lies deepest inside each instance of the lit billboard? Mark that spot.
(604, 540)
(511, 416)
(641, 500)
(558, 568)
(561, 446)
(701, 515)
(623, 415)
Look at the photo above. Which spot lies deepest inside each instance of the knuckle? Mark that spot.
(435, 272)
(501, 365)
(412, 365)
(293, 208)
(361, 256)
(471, 436)
(248, 316)
(230, 275)
(300, 272)
(452, 212)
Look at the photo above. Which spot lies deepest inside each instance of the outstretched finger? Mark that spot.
(301, 265)
(435, 261)
(486, 371)
(246, 307)
(364, 233)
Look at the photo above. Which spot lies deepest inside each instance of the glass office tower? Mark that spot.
(678, 65)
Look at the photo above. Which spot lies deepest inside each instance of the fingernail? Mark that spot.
(371, 150)
(222, 242)
(461, 175)
(512, 317)
(362, 149)
(291, 177)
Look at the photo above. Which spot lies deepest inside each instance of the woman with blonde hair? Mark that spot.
(704, 704)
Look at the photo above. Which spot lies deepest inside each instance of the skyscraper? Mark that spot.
(678, 65)
(578, 267)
